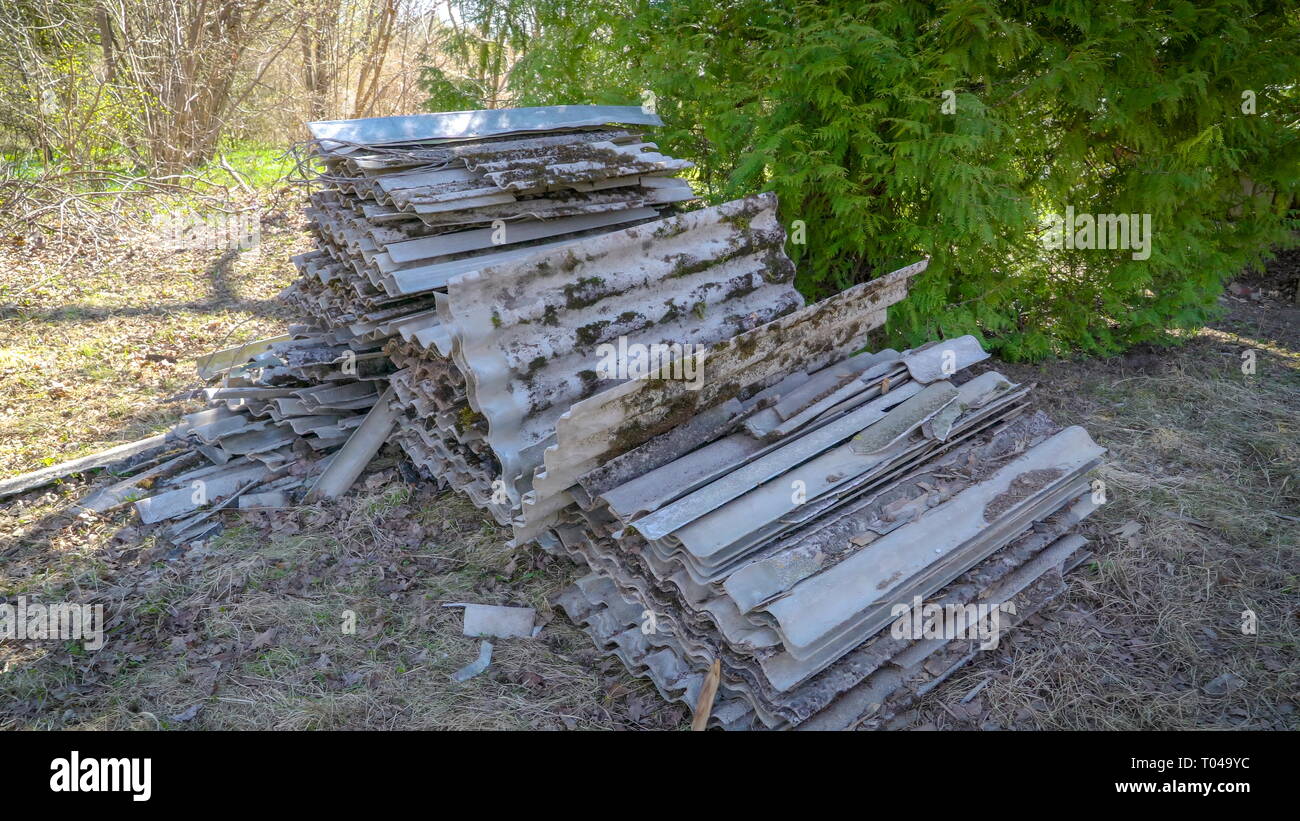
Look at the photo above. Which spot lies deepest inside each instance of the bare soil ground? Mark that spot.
(246, 631)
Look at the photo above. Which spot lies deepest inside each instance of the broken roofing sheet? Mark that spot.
(276, 419)
(527, 335)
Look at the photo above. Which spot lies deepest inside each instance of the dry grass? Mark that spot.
(250, 628)
(1204, 462)
(101, 351)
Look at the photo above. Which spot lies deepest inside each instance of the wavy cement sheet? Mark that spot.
(821, 604)
(670, 518)
(613, 422)
(526, 334)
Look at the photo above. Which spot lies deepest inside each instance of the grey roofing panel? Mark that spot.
(656, 479)
(856, 526)
(414, 250)
(822, 604)
(831, 478)
(865, 679)
(846, 478)
(943, 357)
(1029, 586)
(218, 362)
(788, 670)
(571, 203)
(614, 421)
(462, 125)
(439, 274)
(735, 484)
(717, 532)
(906, 418)
(526, 334)
(173, 503)
(875, 504)
(614, 621)
(386, 160)
(854, 373)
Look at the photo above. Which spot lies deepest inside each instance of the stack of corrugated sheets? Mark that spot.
(766, 495)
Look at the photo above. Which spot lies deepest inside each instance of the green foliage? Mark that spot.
(575, 59)
(263, 167)
(1112, 108)
(448, 92)
(478, 45)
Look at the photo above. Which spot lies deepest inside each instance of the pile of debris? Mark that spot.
(496, 251)
(765, 514)
(274, 425)
(514, 299)
(283, 410)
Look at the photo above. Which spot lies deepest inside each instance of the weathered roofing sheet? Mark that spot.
(817, 576)
(527, 334)
(882, 678)
(599, 428)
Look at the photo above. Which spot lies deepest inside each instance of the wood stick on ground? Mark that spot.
(704, 707)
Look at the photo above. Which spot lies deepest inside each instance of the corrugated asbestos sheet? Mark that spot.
(765, 495)
(598, 429)
(526, 334)
(494, 267)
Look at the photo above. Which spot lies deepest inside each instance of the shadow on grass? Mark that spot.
(222, 296)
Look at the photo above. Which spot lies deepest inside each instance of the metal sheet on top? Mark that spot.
(463, 125)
